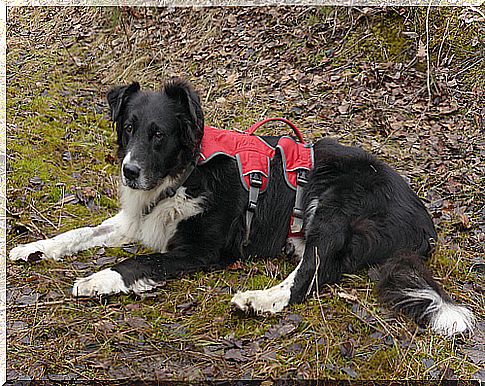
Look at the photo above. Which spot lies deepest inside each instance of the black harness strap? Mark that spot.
(255, 184)
(298, 211)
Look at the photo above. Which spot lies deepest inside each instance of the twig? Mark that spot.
(315, 275)
(337, 54)
(32, 224)
(126, 32)
(470, 66)
(42, 216)
(442, 42)
(428, 64)
(34, 325)
(208, 93)
(327, 346)
(477, 10)
(334, 22)
(43, 304)
(403, 357)
(60, 211)
(69, 53)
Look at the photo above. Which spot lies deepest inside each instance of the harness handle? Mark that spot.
(257, 125)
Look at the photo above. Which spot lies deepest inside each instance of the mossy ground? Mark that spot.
(334, 71)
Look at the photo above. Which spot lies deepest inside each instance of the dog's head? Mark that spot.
(159, 133)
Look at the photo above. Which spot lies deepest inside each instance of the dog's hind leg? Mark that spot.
(318, 266)
(271, 300)
(110, 233)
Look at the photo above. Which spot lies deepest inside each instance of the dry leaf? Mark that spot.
(465, 221)
(421, 53)
(346, 296)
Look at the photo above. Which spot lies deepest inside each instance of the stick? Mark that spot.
(428, 72)
(43, 304)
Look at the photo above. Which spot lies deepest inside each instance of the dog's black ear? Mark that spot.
(190, 112)
(118, 96)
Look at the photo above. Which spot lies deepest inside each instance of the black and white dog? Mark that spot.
(358, 213)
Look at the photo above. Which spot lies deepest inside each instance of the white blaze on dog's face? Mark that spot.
(158, 132)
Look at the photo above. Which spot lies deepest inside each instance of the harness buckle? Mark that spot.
(297, 212)
(252, 206)
(256, 180)
(301, 177)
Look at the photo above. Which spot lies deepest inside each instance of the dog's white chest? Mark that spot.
(157, 228)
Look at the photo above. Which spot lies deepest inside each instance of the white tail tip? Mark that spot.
(450, 319)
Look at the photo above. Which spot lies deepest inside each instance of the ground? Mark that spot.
(402, 84)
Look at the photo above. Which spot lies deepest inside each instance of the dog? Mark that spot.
(357, 212)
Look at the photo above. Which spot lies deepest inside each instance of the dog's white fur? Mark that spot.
(271, 300)
(156, 229)
(129, 225)
(447, 318)
(104, 282)
(110, 233)
(108, 282)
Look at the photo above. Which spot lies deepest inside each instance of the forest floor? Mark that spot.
(406, 86)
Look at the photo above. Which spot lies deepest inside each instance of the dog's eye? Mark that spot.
(129, 129)
(158, 134)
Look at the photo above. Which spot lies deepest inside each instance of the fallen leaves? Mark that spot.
(66, 156)
(37, 182)
(464, 221)
(352, 297)
(105, 326)
(86, 196)
(475, 349)
(235, 355)
(105, 260)
(187, 308)
(344, 108)
(347, 349)
(284, 327)
(138, 323)
(238, 265)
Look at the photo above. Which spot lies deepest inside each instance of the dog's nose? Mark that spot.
(131, 172)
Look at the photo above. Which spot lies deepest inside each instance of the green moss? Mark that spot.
(382, 41)
(30, 167)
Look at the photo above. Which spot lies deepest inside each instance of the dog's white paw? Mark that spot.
(104, 282)
(27, 252)
(272, 300)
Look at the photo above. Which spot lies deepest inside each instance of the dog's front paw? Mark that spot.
(104, 282)
(272, 300)
(27, 252)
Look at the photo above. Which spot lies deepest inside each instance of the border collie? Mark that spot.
(358, 212)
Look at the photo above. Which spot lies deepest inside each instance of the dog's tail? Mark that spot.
(405, 284)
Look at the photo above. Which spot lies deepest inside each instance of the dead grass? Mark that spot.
(316, 66)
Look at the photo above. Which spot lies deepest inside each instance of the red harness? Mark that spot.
(253, 156)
